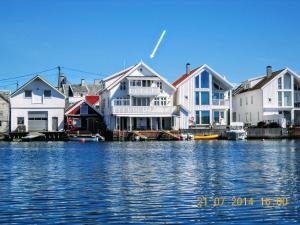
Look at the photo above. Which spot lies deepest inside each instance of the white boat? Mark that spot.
(236, 131)
(94, 138)
(186, 137)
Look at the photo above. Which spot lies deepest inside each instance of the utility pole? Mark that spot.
(58, 78)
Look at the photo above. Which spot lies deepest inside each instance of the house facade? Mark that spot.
(4, 112)
(138, 98)
(84, 117)
(270, 98)
(37, 106)
(203, 98)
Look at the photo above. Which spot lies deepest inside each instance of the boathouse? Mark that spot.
(37, 106)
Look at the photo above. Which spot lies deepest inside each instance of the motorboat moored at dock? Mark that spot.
(236, 131)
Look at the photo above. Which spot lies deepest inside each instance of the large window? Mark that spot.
(287, 81)
(204, 98)
(279, 83)
(197, 114)
(279, 98)
(84, 109)
(197, 98)
(205, 117)
(205, 79)
(287, 98)
(197, 81)
(216, 116)
(20, 120)
(284, 98)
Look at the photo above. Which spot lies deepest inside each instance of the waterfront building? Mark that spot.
(203, 98)
(4, 112)
(37, 106)
(138, 98)
(274, 97)
(83, 116)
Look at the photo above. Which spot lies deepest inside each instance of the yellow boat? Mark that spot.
(206, 137)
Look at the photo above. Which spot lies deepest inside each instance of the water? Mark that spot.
(148, 182)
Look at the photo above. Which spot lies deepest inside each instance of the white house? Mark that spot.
(38, 106)
(203, 96)
(138, 98)
(268, 98)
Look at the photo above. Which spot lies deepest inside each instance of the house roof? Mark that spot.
(79, 88)
(5, 96)
(264, 80)
(73, 109)
(185, 76)
(122, 74)
(33, 79)
(92, 99)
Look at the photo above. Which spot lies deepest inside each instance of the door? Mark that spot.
(37, 121)
(54, 124)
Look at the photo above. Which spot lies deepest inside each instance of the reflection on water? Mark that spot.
(147, 182)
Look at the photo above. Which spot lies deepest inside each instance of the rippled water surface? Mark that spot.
(149, 182)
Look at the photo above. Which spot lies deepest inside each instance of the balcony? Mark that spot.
(221, 102)
(144, 110)
(143, 91)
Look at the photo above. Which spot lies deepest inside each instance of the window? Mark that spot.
(28, 93)
(252, 100)
(279, 83)
(197, 81)
(163, 100)
(156, 101)
(246, 100)
(84, 109)
(287, 98)
(20, 120)
(239, 117)
(250, 116)
(234, 116)
(197, 117)
(197, 98)
(144, 83)
(241, 101)
(47, 93)
(279, 98)
(287, 81)
(204, 98)
(205, 117)
(216, 116)
(205, 79)
(0, 123)
(123, 85)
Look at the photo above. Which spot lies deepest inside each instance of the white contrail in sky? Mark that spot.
(156, 46)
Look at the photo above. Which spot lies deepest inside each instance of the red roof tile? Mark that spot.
(183, 77)
(92, 99)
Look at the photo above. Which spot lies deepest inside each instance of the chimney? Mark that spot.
(82, 82)
(269, 71)
(188, 69)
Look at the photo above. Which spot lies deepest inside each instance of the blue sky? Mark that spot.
(238, 39)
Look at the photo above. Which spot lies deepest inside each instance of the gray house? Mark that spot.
(4, 112)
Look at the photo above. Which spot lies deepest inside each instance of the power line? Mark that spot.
(80, 71)
(27, 75)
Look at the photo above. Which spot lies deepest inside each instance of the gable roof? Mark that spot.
(122, 74)
(33, 79)
(185, 76)
(264, 80)
(75, 107)
(92, 99)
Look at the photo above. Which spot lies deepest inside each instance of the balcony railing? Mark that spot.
(143, 91)
(144, 110)
(220, 102)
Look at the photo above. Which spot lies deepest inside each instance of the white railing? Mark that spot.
(144, 110)
(220, 102)
(143, 91)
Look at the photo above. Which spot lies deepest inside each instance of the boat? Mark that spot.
(186, 137)
(206, 137)
(236, 131)
(91, 138)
